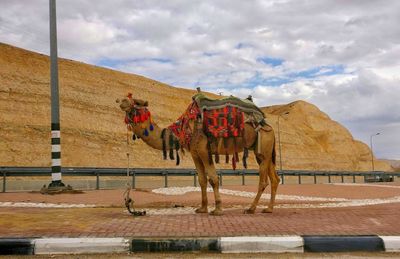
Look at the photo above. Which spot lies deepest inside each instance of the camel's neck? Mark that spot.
(153, 137)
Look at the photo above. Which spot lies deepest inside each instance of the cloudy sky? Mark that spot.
(342, 55)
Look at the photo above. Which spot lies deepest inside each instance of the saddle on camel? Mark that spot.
(209, 128)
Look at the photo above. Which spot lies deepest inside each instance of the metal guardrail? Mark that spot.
(166, 172)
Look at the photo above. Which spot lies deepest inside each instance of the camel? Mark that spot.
(260, 138)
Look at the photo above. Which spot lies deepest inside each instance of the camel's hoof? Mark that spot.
(201, 210)
(249, 211)
(267, 210)
(216, 212)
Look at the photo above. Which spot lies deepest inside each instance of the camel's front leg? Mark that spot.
(203, 185)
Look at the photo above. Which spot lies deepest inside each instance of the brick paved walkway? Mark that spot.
(113, 220)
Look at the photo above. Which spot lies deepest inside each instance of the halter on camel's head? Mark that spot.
(136, 113)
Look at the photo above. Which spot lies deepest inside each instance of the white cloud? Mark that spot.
(366, 103)
(89, 32)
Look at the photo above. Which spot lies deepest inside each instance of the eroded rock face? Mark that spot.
(311, 140)
(93, 132)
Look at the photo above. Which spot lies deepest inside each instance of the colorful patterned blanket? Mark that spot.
(223, 118)
(206, 104)
(182, 127)
(223, 122)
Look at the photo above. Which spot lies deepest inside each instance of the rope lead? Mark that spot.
(128, 201)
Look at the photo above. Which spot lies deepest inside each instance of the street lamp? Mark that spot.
(55, 111)
(279, 141)
(56, 184)
(372, 152)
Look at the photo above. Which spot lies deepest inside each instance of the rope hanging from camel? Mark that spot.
(128, 200)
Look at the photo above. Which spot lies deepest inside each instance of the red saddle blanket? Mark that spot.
(223, 122)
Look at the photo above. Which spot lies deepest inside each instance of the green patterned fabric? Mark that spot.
(245, 105)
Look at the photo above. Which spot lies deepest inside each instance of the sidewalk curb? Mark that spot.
(241, 244)
(175, 244)
(343, 244)
(16, 246)
(81, 245)
(251, 244)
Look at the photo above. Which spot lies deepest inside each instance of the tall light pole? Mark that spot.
(279, 141)
(55, 111)
(372, 151)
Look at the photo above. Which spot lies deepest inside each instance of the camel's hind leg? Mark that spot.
(266, 157)
(262, 184)
(274, 178)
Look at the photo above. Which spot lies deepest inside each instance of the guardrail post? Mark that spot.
(299, 178)
(315, 179)
(243, 180)
(354, 178)
(220, 178)
(133, 179)
(97, 181)
(4, 181)
(342, 178)
(283, 179)
(195, 179)
(329, 178)
(165, 179)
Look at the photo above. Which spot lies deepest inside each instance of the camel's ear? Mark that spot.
(117, 100)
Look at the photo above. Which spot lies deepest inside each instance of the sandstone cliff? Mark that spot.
(93, 132)
(310, 139)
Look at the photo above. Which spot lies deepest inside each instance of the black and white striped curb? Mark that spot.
(241, 244)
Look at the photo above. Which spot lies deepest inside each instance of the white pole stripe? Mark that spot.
(56, 162)
(55, 148)
(56, 176)
(55, 134)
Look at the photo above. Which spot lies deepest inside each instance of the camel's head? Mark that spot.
(136, 112)
(127, 104)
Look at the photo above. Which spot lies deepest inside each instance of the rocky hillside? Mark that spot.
(395, 164)
(310, 139)
(93, 132)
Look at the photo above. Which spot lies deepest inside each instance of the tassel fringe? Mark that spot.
(177, 146)
(164, 146)
(171, 146)
(245, 156)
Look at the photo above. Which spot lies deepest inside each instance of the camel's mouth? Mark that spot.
(125, 104)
